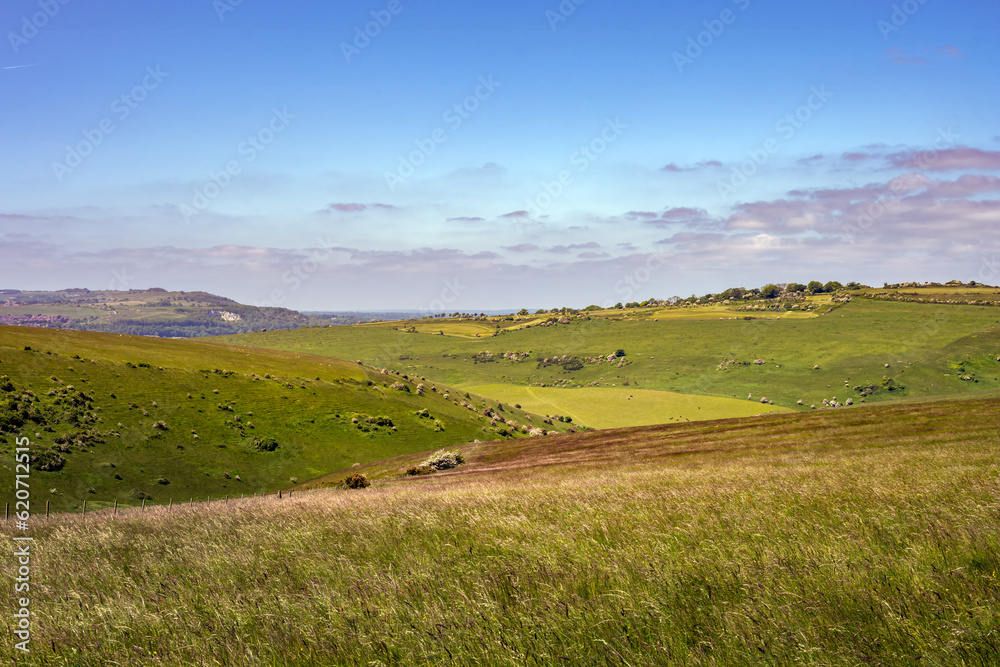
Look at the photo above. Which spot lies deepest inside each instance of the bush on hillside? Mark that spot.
(264, 444)
(356, 481)
(444, 460)
(48, 461)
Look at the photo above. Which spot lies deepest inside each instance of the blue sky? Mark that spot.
(494, 155)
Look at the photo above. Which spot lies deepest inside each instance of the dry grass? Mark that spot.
(857, 537)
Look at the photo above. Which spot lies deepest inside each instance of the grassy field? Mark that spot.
(941, 294)
(832, 538)
(608, 407)
(930, 349)
(135, 417)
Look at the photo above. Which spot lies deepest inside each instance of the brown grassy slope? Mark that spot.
(846, 430)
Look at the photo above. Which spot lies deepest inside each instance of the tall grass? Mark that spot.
(773, 545)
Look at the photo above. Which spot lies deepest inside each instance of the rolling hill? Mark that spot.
(841, 537)
(115, 417)
(862, 350)
(146, 312)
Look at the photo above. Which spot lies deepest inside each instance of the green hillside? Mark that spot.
(114, 417)
(863, 350)
(144, 312)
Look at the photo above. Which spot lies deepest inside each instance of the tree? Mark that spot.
(832, 286)
(796, 287)
(523, 311)
(815, 286)
(770, 292)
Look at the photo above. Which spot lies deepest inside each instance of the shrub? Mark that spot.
(356, 481)
(139, 494)
(890, 385)
(264, 444)
(444, 460)
(419, 470)
(162, 480)
(48, 461)
(770, 291)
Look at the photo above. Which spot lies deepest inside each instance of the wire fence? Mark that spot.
(114, 507)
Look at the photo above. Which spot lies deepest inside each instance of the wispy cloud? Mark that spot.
(704, 164)
(949, 159)
(355, 208)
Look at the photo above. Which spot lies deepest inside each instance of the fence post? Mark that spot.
(46, 509)
(6, 511)
(290, 494)
(279, 494)
(170, 504)
(227, 499)
(143, 505)
(84, 508)
(116, 508)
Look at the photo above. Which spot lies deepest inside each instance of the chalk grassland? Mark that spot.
(944, 293)
(837, 538)
(135, 417)
(621, 407)
(924, 344)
